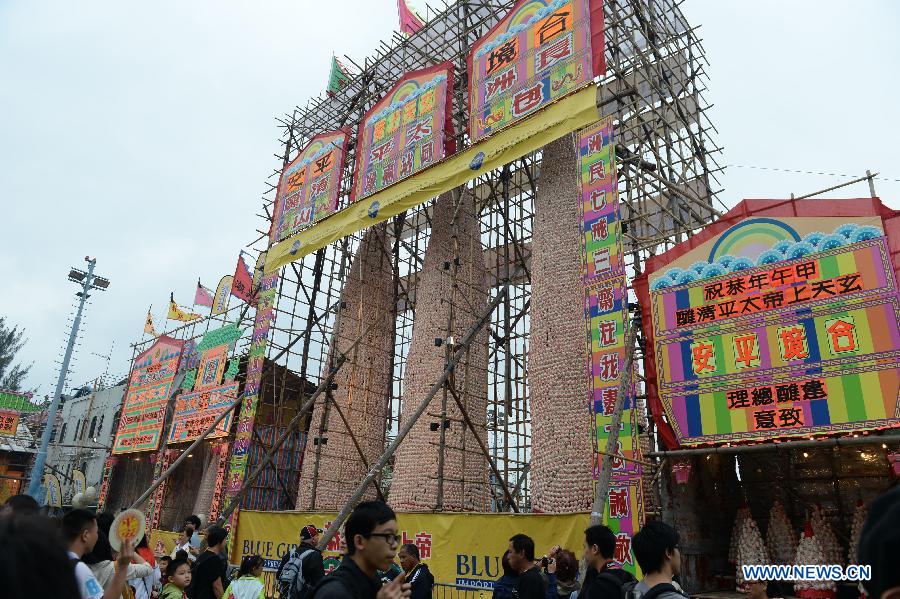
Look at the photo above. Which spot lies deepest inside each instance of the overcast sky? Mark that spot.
(142, 133)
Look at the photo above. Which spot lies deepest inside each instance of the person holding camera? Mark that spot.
(562, 574)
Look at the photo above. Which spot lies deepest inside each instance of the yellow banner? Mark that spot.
(568, 114)
(176, 313)
(463, 549)
(162, 542)
(148, 325)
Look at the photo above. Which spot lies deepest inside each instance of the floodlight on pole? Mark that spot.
(87, 280)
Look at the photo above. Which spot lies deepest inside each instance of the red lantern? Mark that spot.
(894, 460)
(682, 470)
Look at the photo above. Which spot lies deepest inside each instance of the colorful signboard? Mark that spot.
(9, 422)
(17, 401)
(309, 185)
(606, 317)
(149, 388)
(792, 332)
(539, 52)
(265, 314)
(406, 131)
(197, 410)
(12, 405)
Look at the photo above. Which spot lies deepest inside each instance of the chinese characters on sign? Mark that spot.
(196, 411)
(265, 314)
(9, 422)
(602, 255)
(606, 311)
(798, 293)
(405, 132)
(310, 184)
(793, 341)
(539, 52)
(149, 388)
(797, 347)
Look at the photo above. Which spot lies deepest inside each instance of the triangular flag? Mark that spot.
(223, 292)
(410, 22)
(176, 313)
(203, 296)
(338, 78)
(242, 286)
(148, 324)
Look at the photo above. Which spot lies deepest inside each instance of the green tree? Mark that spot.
(11, 341)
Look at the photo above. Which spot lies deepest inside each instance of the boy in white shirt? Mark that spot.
(81, 532)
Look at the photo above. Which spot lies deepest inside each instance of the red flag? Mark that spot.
(410, 22)
(242, 286)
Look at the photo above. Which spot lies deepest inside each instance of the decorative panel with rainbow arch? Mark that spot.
(539, 52)
(309, 185)
(776, 327)
(406, 131)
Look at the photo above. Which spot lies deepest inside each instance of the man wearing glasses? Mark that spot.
(372, 542)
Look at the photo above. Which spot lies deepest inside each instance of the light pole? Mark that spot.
(88, 280)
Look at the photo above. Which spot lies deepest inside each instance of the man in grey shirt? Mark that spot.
(657, 553)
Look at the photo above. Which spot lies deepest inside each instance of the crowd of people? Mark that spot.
(71, 558)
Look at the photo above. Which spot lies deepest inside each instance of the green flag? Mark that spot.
(338, 79)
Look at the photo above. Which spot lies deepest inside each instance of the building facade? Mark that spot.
(84, 437)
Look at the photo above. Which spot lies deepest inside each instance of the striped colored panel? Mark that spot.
(852, 400)
(877, 331)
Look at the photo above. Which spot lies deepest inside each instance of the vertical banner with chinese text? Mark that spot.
(265, 313)
(606, 316)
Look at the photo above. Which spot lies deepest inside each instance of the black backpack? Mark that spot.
(291, 583)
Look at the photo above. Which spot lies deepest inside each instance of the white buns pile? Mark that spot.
(781, 540)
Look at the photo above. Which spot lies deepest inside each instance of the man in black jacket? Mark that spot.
(530, 584)
(602, 580)
(313, 567)
(419, 576)
(372, 540)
